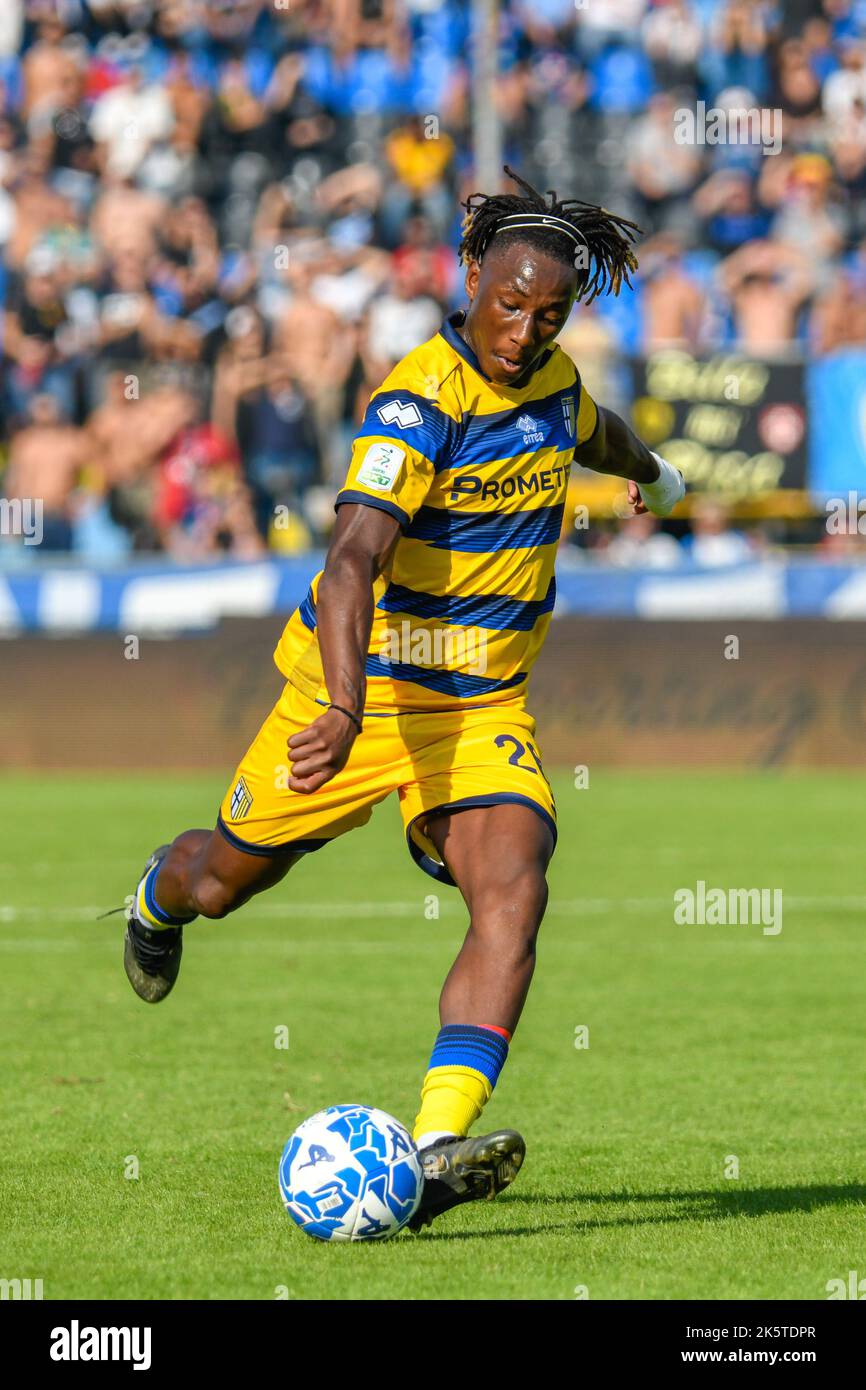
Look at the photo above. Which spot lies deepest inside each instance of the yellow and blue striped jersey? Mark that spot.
(476, 473)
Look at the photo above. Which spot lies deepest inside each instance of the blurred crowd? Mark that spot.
(223, 221)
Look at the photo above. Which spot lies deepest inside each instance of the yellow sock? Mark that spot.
(466, 1061)
(452, 1098)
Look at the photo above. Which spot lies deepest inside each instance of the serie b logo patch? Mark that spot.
(380, 466)
(241, 800)
(568, 414)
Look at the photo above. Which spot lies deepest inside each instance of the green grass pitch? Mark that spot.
(705, 1042)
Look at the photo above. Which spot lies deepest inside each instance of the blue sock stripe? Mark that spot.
(491, 1044)
(154, 908)
(488, 1063)
(465, 1045)
(463, 1030)
(469, 1046)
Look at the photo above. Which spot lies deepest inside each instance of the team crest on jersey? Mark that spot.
(403, 413)
(532, 431)
(568, 412)
(241, 800)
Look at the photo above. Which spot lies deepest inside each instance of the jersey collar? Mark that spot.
(449, 332)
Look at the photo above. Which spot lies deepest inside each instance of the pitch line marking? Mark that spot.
(292, 910)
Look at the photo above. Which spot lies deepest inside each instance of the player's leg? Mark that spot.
(198, 874)
(208, 873)
(263, 828)
(201, 874)
(498, 857)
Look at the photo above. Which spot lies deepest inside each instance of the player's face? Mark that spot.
(519, 301)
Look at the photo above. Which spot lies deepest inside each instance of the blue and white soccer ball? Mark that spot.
(351, 1173)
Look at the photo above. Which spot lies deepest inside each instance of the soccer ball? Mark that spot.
(351, 1173)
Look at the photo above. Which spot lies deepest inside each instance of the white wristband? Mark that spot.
(668, 489)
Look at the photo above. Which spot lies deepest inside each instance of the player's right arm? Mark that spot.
(361, 542)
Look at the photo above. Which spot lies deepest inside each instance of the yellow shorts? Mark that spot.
(445, 760)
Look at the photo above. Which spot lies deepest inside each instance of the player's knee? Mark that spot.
(513, 909)
(213, 898)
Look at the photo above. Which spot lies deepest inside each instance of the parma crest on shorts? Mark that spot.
(241, 800)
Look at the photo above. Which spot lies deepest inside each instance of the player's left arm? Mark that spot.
(389, 476)
(614, 448)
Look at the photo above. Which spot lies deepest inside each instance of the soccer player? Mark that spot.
(407, 663)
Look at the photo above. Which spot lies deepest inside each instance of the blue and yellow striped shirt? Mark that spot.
(476, 474)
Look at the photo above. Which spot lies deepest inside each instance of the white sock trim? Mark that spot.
(432, 1137)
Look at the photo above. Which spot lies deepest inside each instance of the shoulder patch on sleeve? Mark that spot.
(380, 466)
(403, 413)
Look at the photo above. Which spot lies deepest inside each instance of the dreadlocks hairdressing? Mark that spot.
(560, 227)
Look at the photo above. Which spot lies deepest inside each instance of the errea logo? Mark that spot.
(532, 431)
(403, 413)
